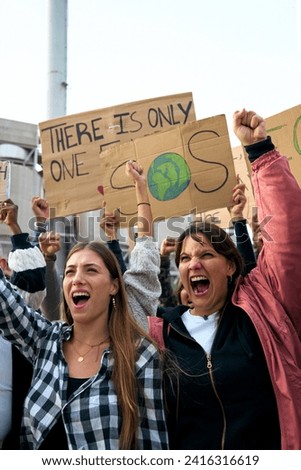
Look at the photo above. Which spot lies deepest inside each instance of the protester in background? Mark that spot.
(238, 349)
(110, 224)
(240, 225)
(50, 244)
(168, 297)
(31, 286)
(25, 268)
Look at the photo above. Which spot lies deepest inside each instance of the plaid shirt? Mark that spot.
(91, 415)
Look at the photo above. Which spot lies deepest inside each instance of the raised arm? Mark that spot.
(142, 277)
(41, 211)
(168, 297)
(278, 198)
(145, 217)
(50, 244)
(109, 223)
(243, 240)
(25, 261)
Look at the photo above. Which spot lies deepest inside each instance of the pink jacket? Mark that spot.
(271, 293)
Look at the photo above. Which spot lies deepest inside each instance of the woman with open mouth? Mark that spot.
(237, 349)
(97, 379)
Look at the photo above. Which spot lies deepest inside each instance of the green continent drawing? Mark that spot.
(168, 176)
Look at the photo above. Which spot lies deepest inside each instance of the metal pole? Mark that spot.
(57, 74)
(57, 96)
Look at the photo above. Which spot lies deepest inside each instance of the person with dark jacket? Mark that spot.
(237, 380)
(50, 244)
(240, 226)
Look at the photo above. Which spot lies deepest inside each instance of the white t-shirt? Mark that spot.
(6, 388)
(201, 329)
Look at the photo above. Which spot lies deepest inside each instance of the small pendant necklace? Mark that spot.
(81, 357)
(204, 317)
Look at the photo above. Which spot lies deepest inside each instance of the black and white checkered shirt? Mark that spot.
(91, 415)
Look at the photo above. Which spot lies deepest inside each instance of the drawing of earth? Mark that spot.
(168, 176)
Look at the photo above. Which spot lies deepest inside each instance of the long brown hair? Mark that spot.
(125, 335)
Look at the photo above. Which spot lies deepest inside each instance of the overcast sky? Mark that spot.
(229, 54)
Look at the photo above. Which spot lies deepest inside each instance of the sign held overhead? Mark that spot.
(189, 169)
(71, 146)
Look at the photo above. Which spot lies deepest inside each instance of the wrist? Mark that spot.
(142, 193)
(49, 257)
(111, 238)
(235, 217)
(15, 229)
(257, 149)
(143, 203)
(40, 225)
(240, 219)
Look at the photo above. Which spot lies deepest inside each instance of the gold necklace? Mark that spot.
(81, 357)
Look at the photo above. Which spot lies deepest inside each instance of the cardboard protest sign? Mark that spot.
(71, 146)
(5, 171)
(189, 169)
(285, 131)
(221, 216)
